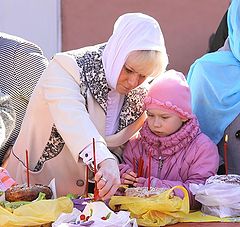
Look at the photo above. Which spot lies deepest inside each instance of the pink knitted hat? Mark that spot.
(170, 92)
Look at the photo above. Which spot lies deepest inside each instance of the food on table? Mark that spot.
(143, 191)
(230, 179)
(25, 193)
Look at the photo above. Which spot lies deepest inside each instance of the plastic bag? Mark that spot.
(198, 216)
(218, 199)
(159, 210)
(36, 213)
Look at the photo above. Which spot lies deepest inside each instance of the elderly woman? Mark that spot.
(89, 93)
(215, 86)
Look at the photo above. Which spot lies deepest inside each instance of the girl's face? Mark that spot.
(163, 123)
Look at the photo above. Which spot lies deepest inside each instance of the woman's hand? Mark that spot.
(107, 178)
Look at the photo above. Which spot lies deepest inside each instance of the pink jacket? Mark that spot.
(187, 156)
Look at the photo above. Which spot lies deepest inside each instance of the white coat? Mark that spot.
(60, 113)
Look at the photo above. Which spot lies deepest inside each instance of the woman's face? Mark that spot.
(131, 75)
(129, 79)
(163, 123)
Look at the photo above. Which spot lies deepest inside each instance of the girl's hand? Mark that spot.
(140, 181)
(128, 178)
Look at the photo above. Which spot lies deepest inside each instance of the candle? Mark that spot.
(140, 167)
(134, 165)
(225, 149)
(149, 169)
(146, 171)
(27, 166)
(142, 164)
(95, 171)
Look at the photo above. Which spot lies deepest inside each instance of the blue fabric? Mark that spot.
(214, 80)
(233, 21)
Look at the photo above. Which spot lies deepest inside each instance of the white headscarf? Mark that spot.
(132, 31)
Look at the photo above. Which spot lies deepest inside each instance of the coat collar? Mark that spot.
(92, 74)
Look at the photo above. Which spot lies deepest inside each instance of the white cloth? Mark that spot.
(99, 210)
(132, 31)
(218, 199)
(114, 105)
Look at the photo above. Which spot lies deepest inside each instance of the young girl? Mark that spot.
(180, 153)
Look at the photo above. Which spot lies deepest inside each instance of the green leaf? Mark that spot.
(108, 215)
(72, 196)
(41, 196)
(91, 212)
(15, 205)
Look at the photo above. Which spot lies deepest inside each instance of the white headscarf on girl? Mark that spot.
(132, 31)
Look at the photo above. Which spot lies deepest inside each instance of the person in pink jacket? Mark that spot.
(180, 153)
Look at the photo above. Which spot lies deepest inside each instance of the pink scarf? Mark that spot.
(169, 145)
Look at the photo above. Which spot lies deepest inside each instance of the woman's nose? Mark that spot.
(133, 80)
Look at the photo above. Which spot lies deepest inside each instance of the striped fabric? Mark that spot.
(7, 118)
(21, 65)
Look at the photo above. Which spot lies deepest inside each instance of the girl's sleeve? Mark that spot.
(128, 155)
(60, 82)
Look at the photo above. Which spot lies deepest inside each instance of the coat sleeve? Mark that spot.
(29, 64)
(7, 118)
(126, 166)
(60, 83)
(128, 157)
(27, 67)
(203, 165)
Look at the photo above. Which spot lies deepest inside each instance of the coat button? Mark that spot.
(80, 183)
(237, 134)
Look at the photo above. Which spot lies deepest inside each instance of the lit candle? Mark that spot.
(149, 169)
(225, 148)
(27, 166)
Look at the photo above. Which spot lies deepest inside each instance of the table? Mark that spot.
(207, 224)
